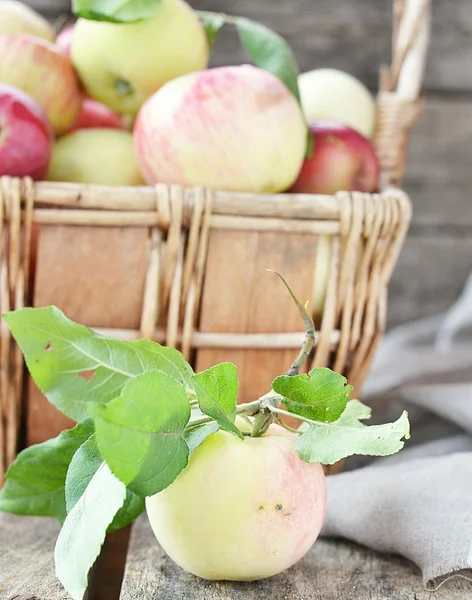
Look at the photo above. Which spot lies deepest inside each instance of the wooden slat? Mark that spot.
(238, 261)
(96, 277)
(330, 571)
(27, 558)
(353, 36)
(349, 35)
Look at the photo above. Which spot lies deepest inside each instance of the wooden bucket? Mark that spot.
(187, 267)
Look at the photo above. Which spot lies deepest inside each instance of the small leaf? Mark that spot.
(84, 530)
(217, 393)
(83, 466)
(195, 436)
(212, 23)
(115, 11)
(328, 443)
(140, 434)
(72, 365)
(269, 51)
(320, 395)
(35, 482)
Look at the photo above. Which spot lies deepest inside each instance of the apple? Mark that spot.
(342, 159)
(95, 114)
(16, 17)
(240, 510)
(96, 156)
(46, 74)
(64, 39)
(122, 64)
(26, 137)
(233, 128)
(338, 96)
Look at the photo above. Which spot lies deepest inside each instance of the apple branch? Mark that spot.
(309, 340)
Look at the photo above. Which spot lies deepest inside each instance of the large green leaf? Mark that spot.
(140, 434)
(84, 530)
(116, 11)
(72, 365)
(328, 443)
(320, 395)
(269, 51)
(35, 482)
(217, 393)
(83, 466)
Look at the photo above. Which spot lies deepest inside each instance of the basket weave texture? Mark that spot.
(187, 230)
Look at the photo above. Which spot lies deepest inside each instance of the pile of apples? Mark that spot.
(135, 103)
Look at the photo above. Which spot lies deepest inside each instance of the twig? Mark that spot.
(309, 340)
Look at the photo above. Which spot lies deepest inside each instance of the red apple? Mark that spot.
(342, 159)
(26, 137)
(95, 114)
(64, 39)
(44, 72)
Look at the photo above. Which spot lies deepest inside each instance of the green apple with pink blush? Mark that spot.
(232, 128)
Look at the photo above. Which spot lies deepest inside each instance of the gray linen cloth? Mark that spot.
(417, 503)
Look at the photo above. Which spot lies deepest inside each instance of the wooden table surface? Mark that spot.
(332, 570)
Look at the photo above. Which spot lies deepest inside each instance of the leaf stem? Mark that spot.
(280, 411)
(285, 425)
(193, 403)
(211, 14)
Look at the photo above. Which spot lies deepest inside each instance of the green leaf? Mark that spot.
(140, 434)
(35, 482)
(195, 436)
(212, 23)
(217, 393)
(320, 395)
(72, 365)
(115, 11)
(83, 466)
(269, 51)
(84, 530)
(328, 443)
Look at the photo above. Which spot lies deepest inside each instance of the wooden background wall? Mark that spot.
(354, 35)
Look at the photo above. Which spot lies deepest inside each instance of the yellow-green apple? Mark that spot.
(95, 114)
(46, 74)
(96, 156)
(240, 510)
(17, 17)
(233, 128)
(64, 39)
(338, 96)
(122, 64)
(342, 159)
(26, 137)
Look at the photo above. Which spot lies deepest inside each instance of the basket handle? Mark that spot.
(400, 99)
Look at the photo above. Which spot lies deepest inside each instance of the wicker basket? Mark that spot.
(186, 267)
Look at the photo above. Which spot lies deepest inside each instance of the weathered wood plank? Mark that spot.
(354, 36)
(429, 277)
(330, 571)
(96, 276)
(27, 558)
